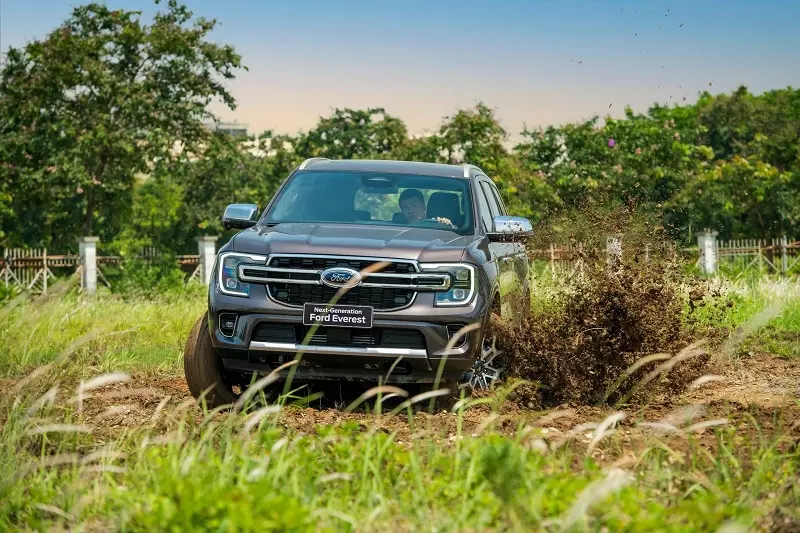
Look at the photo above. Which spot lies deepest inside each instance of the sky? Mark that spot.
(536, 62)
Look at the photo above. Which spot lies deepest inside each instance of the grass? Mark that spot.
(169, 465)
(213, 472)
(145, 334)
(772, 304)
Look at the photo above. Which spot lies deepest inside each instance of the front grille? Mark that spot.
(291, 294)
(324, 336)
(321, 263)
(296, 293)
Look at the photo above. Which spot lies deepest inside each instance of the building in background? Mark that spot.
(234, 129)
(239, 131)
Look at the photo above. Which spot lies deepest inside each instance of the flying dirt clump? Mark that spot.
(594, 324)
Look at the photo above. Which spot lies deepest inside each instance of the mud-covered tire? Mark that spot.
(203, 369)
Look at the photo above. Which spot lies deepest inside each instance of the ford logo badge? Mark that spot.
(341, 277)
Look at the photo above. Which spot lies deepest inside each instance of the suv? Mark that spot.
(376, 271)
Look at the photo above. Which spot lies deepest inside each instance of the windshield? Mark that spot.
(374, 198)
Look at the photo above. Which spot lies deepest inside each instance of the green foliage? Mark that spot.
(109, 333)
(156, 214)
(474, 136)
(742, 196)
(729, 306)
(353, 134)
(187, 469)
(225, 172)
(147, 277)
(6, 293)
(93, 105)
(101, 131)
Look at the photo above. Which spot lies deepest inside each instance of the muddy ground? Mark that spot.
(762, 388)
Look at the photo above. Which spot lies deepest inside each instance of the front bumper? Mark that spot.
(243, 351)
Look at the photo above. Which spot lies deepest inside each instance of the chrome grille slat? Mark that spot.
(413, 281)
(395, 287)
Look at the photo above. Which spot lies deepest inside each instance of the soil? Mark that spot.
(764, 387)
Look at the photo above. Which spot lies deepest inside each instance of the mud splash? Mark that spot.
(580, 338)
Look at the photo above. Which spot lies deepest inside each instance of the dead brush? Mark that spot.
(603, 331)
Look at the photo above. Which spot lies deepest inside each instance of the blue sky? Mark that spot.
(536, 62)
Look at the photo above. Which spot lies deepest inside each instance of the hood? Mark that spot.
(421, 244)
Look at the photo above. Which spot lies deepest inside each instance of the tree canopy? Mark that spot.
(102, 131)
(96, 103)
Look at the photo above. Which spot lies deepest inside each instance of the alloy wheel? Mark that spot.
(488, 368)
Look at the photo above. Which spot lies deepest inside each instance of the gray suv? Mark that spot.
(373, 271)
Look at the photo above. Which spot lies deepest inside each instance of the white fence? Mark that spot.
(775, 255)
(31, 269)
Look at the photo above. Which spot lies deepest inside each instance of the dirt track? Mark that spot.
(763, 386)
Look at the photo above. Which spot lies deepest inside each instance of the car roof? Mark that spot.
(387, 165)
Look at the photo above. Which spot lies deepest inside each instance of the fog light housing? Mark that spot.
(453, 330)
(227, 324)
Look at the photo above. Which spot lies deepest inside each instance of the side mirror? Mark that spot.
(510, 229)
(240, 216)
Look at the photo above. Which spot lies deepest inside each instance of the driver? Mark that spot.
(412, 204)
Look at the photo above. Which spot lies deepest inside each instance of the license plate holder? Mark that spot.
(338, 316)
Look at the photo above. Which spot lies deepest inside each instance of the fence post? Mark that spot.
(87, 249)
(614, 251)
(206, 248)
(44, 271)
(784, 255)
(707, 243)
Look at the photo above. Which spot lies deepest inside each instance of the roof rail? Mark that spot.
(468, 169)
(310, 160)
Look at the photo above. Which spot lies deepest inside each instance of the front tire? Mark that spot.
(203, 369)
(489, 366)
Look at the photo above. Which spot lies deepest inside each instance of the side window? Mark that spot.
(498, 199)
(483, 208)
(490, 197)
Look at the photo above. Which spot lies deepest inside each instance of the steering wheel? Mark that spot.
(436, 222)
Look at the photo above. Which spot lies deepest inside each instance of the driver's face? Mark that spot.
(413, 209)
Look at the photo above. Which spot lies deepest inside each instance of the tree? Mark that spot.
(354, 134)
(101, 99)
(731, 124)
(474, 136)
(425, 148)
(525, 190)
(572, 160)
(225, 171)
(742, 198)
(641, 161)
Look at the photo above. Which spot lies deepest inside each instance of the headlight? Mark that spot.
(461, 290)
(227, 280)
